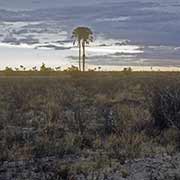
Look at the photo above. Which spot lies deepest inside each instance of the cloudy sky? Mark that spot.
(36, 4)
(127, 32)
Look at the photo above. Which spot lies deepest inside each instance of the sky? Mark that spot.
(39, 4)
(127, 32)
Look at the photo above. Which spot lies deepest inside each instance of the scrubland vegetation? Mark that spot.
(101, 117)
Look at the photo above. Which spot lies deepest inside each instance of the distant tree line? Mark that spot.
(44, 68)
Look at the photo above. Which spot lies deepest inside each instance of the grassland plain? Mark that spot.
(65, 125)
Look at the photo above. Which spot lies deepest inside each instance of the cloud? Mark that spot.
(115, 19)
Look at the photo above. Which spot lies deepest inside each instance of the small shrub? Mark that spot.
(126, 146)
(166, 107)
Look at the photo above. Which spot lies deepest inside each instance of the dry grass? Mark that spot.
(72, 113)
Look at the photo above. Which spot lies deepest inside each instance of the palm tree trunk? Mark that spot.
(84, 56)
(79, 42)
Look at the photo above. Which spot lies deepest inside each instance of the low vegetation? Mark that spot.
(103, 117)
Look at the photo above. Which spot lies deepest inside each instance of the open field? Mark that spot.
(88, 122)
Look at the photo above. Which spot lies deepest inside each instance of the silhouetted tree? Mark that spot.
(129, 69)
(71, 69)
(77, 37)
(58, 68)
(43, 68)
(8, 69)
(84, 36)
(21, 67)
(34, 68)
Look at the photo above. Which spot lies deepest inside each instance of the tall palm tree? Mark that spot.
(77, 37)
(83, 35)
